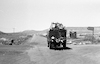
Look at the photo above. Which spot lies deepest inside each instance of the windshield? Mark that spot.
(57, 33)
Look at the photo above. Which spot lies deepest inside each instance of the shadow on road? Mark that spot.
(67, 48)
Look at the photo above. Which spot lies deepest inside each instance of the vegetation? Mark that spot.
(16, 40)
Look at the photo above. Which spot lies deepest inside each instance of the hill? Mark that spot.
(79, 30)
(34, 31)
(83, 30)
(2, 33)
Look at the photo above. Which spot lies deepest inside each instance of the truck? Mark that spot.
(56, 36)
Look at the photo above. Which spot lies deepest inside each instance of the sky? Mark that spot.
(20, 15)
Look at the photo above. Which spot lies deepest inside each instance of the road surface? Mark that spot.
(78, 55)
(39, 53)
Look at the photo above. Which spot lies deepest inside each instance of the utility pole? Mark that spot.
(13, 30)
(92, 29)
(92, 35)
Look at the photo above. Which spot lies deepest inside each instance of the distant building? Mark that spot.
(72, 34)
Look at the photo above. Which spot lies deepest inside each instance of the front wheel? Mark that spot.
(51, 45)
(64, 44)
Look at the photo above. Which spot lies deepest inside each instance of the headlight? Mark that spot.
(52, 37)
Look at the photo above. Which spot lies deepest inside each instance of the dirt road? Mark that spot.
(42, 55)
(39, 53)
(79, 54)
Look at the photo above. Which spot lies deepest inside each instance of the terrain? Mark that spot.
(37, 52)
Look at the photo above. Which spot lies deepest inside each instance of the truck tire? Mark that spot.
(64, 44)
(51, 45)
